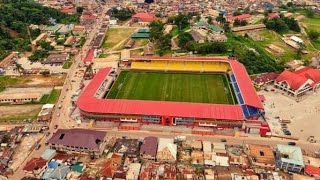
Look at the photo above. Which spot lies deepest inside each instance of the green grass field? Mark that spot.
(179, 87)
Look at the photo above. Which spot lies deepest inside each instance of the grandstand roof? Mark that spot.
(88, 103)
(89, 56)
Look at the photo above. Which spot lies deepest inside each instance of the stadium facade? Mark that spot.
(93, 105)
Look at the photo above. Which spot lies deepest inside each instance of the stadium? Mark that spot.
(172, 91)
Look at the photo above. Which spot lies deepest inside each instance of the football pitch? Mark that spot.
(178, 87)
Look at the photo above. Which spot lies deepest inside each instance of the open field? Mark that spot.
(313, 24)
(179, 87)
(115, 35)
(32, 80)
(51, 98)
(19, 112)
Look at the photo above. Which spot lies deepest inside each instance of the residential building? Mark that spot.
(8, 60)
(289, 158)
(35, 167)
(143, 18)
(167, 150)
(249, 28)
(111, 165)
(127, 147)
(56, 58)
(133, 172)
(264, 79)
(78, 141)
(299, 82)
(148, 150)
(261, 156)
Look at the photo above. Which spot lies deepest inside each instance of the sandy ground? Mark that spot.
(22, 152)
(304, 115)
(6, 111)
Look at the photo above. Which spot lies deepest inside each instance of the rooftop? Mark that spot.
(78, 137)
(89, 104)
(290, 154)
(261, 153)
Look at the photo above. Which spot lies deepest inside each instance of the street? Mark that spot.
(60, 117)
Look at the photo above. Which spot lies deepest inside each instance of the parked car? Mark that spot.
(55, 126)
(291, 143)
(38, 146)
(288, 133)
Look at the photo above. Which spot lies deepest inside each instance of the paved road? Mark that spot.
(60, 117)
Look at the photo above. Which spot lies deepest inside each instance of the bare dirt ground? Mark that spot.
(22, 152)
(304, 115)
(7, 111)
(54, 80)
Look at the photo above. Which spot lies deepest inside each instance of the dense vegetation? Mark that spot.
(282, 24)
(17, 15)
(161, 41)
(122, 14)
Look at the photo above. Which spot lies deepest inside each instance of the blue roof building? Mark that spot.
(289, 158)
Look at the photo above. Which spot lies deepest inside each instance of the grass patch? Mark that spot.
(67, 64)
(51, 98)
(136, 52)
(21, 117)
(103, 55)
(175, 31)
(179, 87)
(2, 88)
(11, 81)
(115, 35)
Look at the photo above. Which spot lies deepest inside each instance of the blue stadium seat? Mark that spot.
(245, 111)
(240, 99)
(236, 87)
(249, 111)
(233, 78)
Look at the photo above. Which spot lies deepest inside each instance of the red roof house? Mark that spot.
(68, 9)
(111, 165)
(273, 16)
(241, 17)
(307, 78)
(144, 17)
(35, 166)
(312, 171)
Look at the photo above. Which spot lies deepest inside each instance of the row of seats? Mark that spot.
(182, 66)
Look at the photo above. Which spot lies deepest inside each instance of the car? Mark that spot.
(291, 143)
(223, 140)
(55, 126)
(58, 115)
(288, 133)
(38, 146)
(48, 134)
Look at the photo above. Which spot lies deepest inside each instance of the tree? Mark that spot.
(156, 30)
(309, 13)
(290, 4)
(45, 45)
(313, 35)
(198, 17)
(226, 27)
(184, 38)
(181, 20)
(148, 1)
(210, 19)
(122, 14)
(236, 22)
(80, 9)
(221, 19)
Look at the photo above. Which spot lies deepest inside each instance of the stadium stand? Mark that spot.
(181, 66)
(175, 65)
